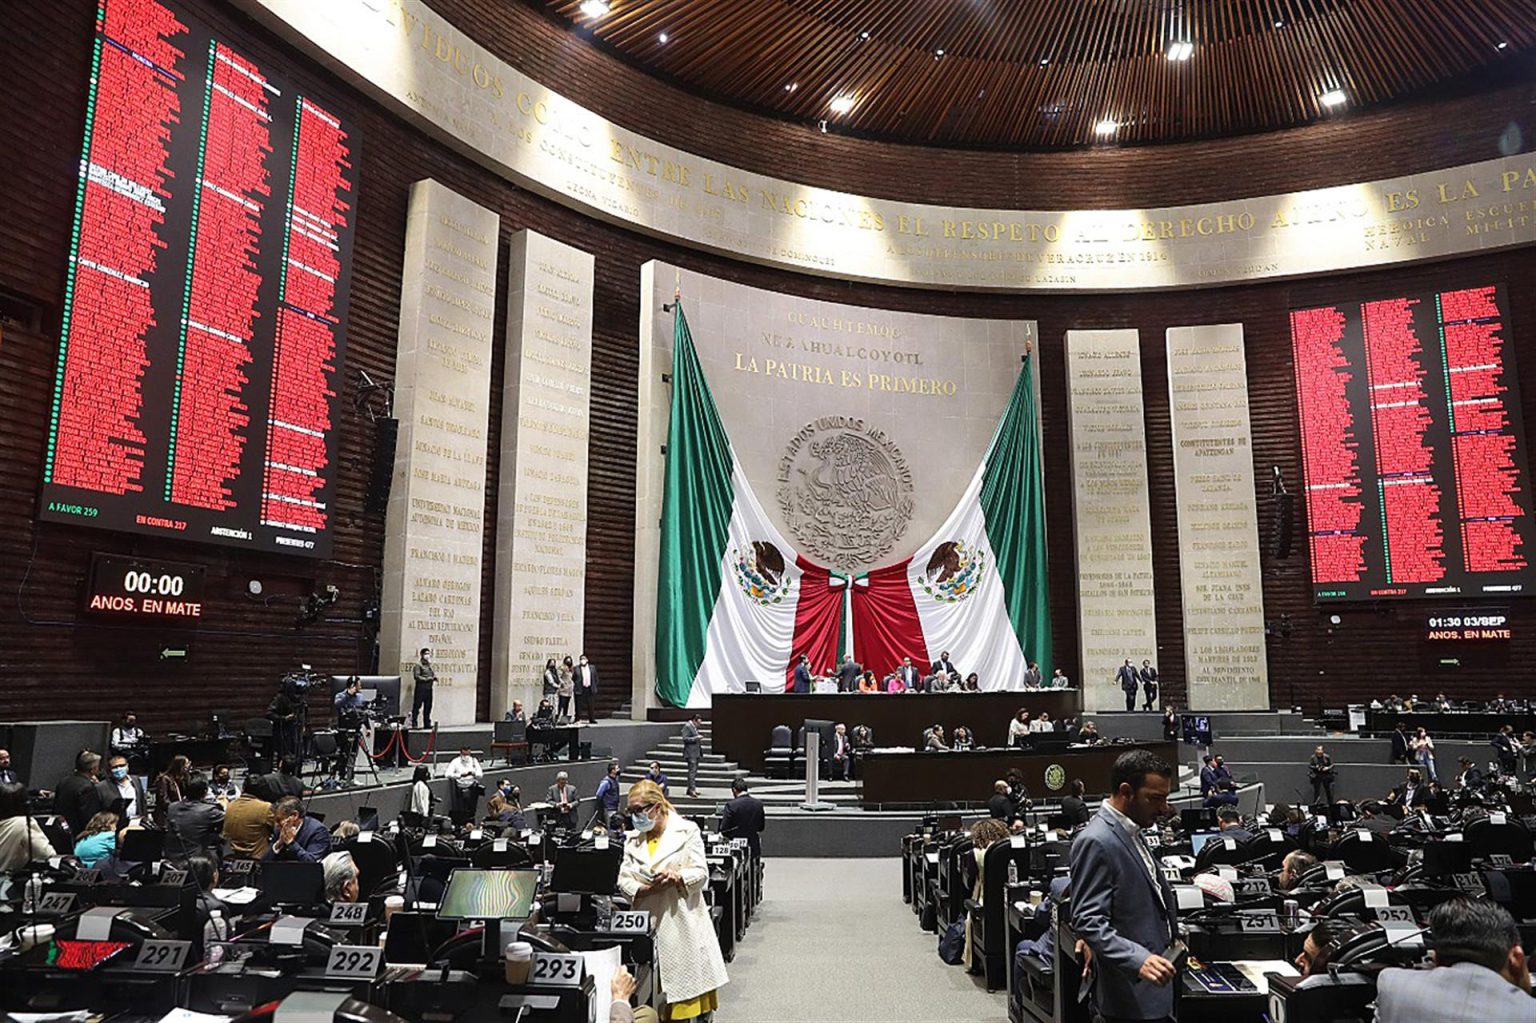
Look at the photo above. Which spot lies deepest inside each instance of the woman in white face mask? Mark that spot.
(665, 872)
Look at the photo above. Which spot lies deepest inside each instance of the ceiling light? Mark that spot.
(1180, 50)
(662, 38)
(1333, 98)
(1044, 61)
(841, 104)
(863, 35)
(792, 86)
(1108, 126)
(937, 54)
(1279, 22)
(594, 8)
(1502, 46)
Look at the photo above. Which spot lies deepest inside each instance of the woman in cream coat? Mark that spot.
(665, 872)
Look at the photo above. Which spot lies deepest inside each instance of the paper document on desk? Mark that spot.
(188, 1016)
(50, 1017)
(602, 964)
(236, 896)
(1255, 969)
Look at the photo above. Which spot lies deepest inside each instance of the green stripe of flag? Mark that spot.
(695, 521)
(1013, 504)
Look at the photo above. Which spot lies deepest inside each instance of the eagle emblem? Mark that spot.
(953, 572)
(760, 572)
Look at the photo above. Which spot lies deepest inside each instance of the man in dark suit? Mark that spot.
(1122, 906)
(1217, 787)
(842, 754)
(1073, 806)
(585, 681)
(1471, 778)
(1504, 747)
(1320, 772)
(295, 835)
(802, 682)
(908, 673)
(1399, 744)
(196, 823)
(848, 675)
(285, 780)
(1130, 680)
(1413, 793)
(122, 791)
(1149, 685)
(945, 666)
(7, 774)
(743, 817)
(76, 798)
(1231, 824)
(1001, 805)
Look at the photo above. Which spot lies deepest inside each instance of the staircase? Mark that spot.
(716, 774)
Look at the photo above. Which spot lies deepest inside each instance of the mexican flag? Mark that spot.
(737, 603)
(977, 588)
(729, 584)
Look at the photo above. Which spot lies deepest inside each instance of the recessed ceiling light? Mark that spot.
(938, 53)
(1279, 22)
(1180, 50)
(1333, 98)
(841, 104)
(1044, 61)
(792, 86)
(1108, 126)
(863, 35)
(1502, 46)
(662, 38)
(594, 8)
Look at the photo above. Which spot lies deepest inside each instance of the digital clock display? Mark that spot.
(1475, 624)
(138, 588)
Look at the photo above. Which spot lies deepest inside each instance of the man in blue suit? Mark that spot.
(1130, 680)
(802, 675)
(1122, 907)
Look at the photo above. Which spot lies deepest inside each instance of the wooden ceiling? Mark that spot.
(1041, 74)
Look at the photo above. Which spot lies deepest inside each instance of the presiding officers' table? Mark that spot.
(1478, 723)
(917, 777)
(742, 723)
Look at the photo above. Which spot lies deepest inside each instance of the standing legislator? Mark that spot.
(802, 683)
(421, 699)
(1130, 681)
(1320, 771)
(586, 689)
(848, 675)
(1123, 908)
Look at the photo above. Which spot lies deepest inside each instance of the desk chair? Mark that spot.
(989, 927)
(1364, 853)
(779, 758)
(1487, 838)
(511, 737)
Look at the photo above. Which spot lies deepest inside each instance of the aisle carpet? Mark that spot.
(834, 943)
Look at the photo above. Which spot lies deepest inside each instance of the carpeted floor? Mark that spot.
(834, 943)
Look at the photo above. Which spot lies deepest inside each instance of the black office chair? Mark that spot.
(488, 857)
(779, 757)
(1510, 838)
(1365, 853)
(1222, 850)
(989, 931)
(377, 864)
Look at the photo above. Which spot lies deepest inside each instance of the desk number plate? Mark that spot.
(557, 969)
(721, 850)
(173, 877)
(159, 956)
(88, 877)
(55, 903)
(354, 961)
(1395, 914)
(1260, 923)
(349, 914)
(632, 922)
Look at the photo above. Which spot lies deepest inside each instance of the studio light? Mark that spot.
(1180, 50)
(1333, 98)
(662, 39)
(594, 8)
(841, 104)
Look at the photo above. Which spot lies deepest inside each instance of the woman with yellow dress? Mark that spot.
(665, 872)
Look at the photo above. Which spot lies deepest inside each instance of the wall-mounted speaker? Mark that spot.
(386, 433)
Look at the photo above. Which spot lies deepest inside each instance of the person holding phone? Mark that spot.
(664, 871)
(1123, 908)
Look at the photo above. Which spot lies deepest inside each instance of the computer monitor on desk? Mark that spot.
(489, 895)
(292, 883)
(587, 871)
(1198, 839)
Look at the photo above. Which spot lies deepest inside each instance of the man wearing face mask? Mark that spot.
(423, 676)
(120, 786)
(1122, 906)
(586, 688)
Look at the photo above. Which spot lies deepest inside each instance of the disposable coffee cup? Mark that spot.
(519, 962)
(392, 905)
(1036, 896)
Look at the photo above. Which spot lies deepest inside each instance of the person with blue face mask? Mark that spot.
(123, 792)
(664, 871)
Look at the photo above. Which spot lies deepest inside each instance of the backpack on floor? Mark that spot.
(952, 944)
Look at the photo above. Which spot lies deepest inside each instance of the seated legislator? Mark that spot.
(1000, 805)
(248, 822)
(1042, 724)
(894, 684)
(1217, 787)
(21, 838)
(296, 836)
(934, 740)
(962, 739)
(340, 877)
(1089, 733)
(1059, 680)
(1073, 806)
(868, 683)
(972, 683)
(1480, 971)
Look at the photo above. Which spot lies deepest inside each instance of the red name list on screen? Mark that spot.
(205, 311)
(1413, 456)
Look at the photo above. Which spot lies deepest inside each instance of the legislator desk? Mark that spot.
(942, 776)
(742, 723)
(1479, 724)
